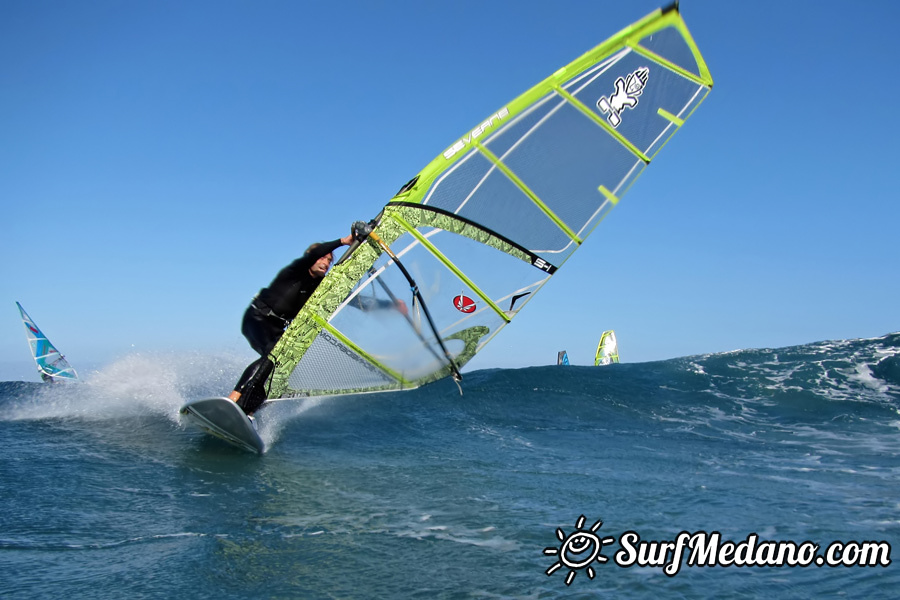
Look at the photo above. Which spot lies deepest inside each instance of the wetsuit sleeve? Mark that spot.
(302, 264)
(323, 249)
(288, 291)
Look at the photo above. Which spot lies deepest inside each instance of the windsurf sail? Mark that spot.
(607, 349)
(469, 240)
(562, 358)
(52, 366)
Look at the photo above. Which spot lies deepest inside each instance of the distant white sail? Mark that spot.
(51, 365)
(607, 349)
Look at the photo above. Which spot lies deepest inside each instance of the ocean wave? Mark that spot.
(742, 393)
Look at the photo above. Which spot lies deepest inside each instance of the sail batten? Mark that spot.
(450, 266)
(609, 129)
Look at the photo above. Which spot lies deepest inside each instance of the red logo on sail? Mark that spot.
(464, 304)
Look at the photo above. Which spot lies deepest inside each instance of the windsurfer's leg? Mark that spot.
(250, 391)
(262, 332)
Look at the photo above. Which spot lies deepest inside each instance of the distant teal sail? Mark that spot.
(51, 365)
(562, 358)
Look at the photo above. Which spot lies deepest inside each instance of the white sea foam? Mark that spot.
(134, 385)
(276, 415)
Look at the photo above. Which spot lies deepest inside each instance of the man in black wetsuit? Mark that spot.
(274, 307)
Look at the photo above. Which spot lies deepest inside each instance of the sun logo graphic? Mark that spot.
(578, 550)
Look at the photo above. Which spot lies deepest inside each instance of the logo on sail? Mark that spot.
(628, 90)
(464, 304)
(460, 144)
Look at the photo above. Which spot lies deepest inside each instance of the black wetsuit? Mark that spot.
(270, 312)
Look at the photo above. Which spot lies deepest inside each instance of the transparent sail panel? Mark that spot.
(477, 190)
(671, 45)
(330, 367)
(563, 160)
(629, 98)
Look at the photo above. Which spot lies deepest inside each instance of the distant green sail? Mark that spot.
(471, 238)
(607, 349)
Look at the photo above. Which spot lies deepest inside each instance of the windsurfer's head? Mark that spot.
(320, 267)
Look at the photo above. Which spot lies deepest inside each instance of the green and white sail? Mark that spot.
(471, 238)
(607, 349)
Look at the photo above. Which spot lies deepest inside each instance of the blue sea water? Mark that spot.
(433, 494)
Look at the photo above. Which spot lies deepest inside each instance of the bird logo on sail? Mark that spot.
(626, 95)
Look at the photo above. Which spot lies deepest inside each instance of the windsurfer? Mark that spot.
(274, 307)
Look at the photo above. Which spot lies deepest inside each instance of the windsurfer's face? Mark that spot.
(320, 267)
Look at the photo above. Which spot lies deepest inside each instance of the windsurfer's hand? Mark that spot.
(400, 305)
(360, 230)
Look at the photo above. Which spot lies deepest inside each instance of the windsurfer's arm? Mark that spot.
(329, 247)
(317, 251)
(367, 303)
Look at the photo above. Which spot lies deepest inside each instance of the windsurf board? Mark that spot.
(224, 419)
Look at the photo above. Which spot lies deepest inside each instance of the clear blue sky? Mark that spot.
(161, 161)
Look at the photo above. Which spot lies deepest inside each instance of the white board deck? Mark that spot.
(224, 419)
